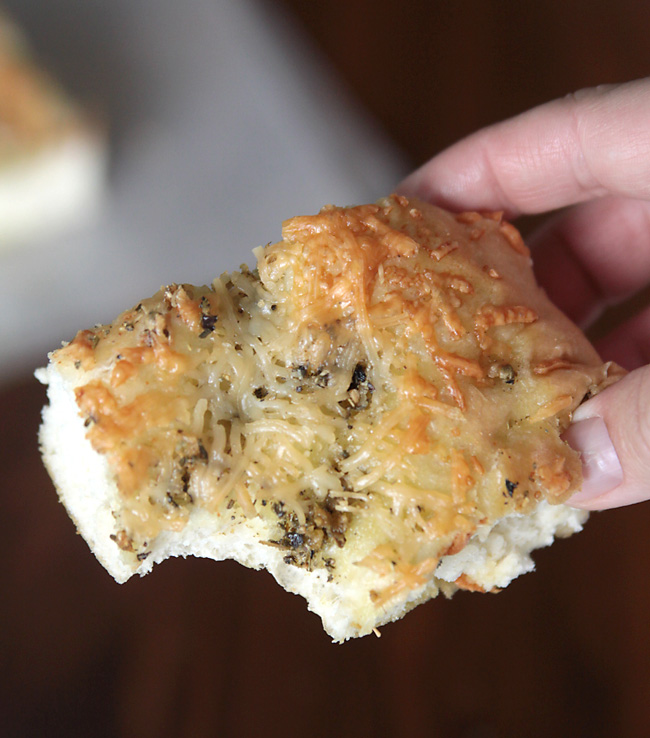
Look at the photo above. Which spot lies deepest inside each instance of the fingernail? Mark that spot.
(601, 468)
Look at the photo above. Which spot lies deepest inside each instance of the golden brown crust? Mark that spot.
(467, 583)
(393, 368)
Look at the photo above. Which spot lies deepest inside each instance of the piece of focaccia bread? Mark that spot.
(52, 159)
(373, 415)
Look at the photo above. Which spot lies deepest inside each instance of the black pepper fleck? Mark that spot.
(323, 379)
(511, 487)
(358, 377)
(295, 540)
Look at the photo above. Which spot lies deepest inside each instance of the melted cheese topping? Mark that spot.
(388, 379)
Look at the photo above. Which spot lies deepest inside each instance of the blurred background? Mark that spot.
(225, 117)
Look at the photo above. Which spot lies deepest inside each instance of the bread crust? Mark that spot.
(374, 415)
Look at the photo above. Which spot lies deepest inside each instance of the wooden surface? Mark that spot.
(432, 72)
(201, 649)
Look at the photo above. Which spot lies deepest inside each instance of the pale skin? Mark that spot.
(590, 151)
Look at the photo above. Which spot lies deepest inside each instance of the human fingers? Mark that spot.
(589, 144)
(611, 430)
(594, 254)
(612, 433)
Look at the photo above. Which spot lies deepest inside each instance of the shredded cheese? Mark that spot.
(373, 374)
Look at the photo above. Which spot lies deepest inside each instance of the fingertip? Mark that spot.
(601, 468)
(611, 431)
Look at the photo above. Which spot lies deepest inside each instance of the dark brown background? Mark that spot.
(202, 649)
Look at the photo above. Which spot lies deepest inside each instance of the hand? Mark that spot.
(590, 150)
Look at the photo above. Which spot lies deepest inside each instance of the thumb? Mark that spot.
(612, 433)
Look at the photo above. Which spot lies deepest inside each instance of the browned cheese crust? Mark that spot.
(388, 379)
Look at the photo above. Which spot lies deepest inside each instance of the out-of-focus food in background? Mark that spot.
(222, 122)
(52, 155)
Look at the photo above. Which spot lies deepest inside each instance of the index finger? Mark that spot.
(592, 143)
